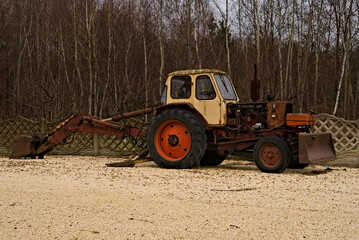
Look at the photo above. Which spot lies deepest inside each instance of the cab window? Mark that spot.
(180, 87)
(225, 87)
(204, 88)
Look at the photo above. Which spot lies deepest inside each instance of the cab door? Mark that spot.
(206, 100)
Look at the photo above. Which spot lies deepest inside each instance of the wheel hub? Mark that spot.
(270, 155)
(173, 140)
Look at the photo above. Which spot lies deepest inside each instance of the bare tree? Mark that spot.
(159, 11)
(104, 57)
(343, 18)
(195, 13)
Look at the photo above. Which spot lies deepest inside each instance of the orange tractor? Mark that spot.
(200, 121)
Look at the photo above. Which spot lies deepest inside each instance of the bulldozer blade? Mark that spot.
(25, 146)
(316, 148)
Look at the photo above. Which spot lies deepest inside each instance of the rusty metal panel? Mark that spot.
(276, 114)
(131, 114)
(316, 147)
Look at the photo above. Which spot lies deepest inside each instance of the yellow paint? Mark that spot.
(214, 111)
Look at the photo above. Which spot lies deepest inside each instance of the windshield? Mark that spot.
(225, 87)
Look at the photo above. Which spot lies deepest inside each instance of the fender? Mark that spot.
(185, 106)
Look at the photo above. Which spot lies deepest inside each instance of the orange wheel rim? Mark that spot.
(173, 140)
(269, 155)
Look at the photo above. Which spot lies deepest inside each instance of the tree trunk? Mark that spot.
(356, 102)
(340, 81)
(227, 41)
(316, 74)
(76, 52)
(317, 49)
(108, 69)
(240, 24)
(159, 9)
(345, 101)
(65, 69)
(89, 58)
(287, 80)
(280, 51)
(144, 21)
(257, 30)
(195, 12)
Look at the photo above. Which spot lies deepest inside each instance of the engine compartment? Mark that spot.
(247, 117)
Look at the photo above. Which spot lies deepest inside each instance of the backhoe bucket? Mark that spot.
(25, 146)
(316, 147)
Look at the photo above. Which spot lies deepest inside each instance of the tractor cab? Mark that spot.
(206, 90)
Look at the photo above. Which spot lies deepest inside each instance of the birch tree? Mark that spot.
(343, 17)
(159, 12)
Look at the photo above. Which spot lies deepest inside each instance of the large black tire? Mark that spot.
(271, 154)
(211, 158)
(176, 139)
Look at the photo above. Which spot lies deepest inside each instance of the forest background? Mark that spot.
(102, 57)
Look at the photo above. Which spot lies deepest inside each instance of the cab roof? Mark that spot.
(196, 71)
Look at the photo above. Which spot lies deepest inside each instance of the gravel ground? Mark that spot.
(64, 197)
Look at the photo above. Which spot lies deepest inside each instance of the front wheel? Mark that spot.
(271, 154)
(176, 139)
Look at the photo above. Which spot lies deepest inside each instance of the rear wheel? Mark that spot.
(176, 139)
(211, 158)
(271, 154)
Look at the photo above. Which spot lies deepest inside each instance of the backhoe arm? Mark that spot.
(38, 145)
